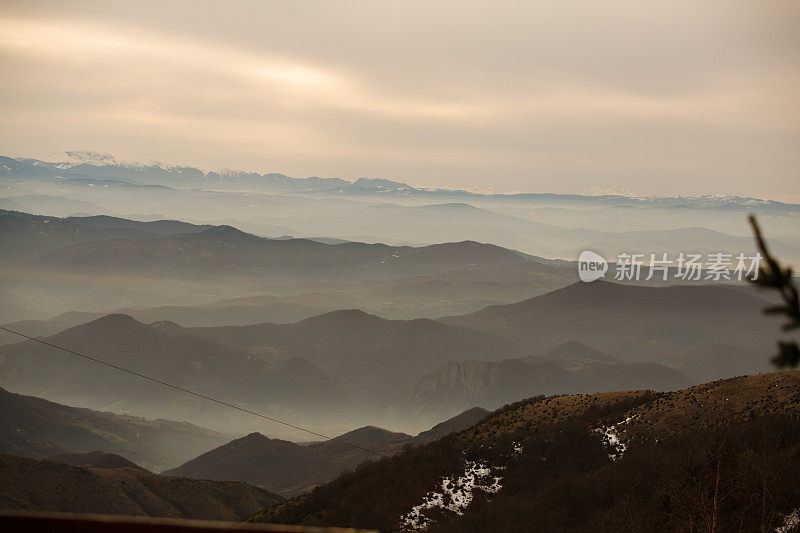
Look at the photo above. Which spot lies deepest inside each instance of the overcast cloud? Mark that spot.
(679, 97)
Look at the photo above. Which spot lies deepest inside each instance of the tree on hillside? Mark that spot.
(779, 278)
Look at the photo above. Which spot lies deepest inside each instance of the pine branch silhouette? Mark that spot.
(774, 276)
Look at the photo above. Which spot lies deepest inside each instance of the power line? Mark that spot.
(189, 391)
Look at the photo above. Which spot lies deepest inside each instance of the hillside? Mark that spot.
(568, 368)
(599, 312)
(95, 459)
(44, 328)
(33, 427)
(275, 464)
(164, 351)
(467, 419)
(31, 484)
(599, 371)
(394, 299)
(100, 264)
(286, 467)
(630, 460)
(411, 373)
(226, 251)
(24, 235)
(459, 385)
(290, 468)
(639, 324)
(368, 355)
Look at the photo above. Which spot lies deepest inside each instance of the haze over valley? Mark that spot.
(401, 267)
(312, 306)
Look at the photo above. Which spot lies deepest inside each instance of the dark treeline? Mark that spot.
(734, 478)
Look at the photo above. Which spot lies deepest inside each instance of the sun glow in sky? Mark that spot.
(672, 98)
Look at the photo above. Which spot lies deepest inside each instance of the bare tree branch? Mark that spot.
(773, 276)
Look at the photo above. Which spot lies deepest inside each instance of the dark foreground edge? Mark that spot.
(95, 523)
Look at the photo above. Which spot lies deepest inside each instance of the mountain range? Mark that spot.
(407, 374)
(105, 263)
(395, 213)
(371, 356)
(226, 251)
(25, 235)
(107, 168)
(162, 350)
(36, 428)
(257, 305)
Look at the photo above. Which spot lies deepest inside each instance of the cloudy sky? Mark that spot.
(678, 97)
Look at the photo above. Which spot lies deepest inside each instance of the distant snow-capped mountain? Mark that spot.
(96, 165)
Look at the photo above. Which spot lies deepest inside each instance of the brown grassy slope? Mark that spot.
(739, 398)
(700, 407)
(33, 484)
(529, 414)
(565, 464)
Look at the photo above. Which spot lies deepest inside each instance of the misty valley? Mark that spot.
(357, 267)
(317, 365)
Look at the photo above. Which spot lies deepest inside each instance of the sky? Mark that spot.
(655, 98)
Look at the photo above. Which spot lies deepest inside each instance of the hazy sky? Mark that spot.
(672, 97)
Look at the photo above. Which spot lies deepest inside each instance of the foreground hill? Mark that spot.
(41, 485)
(724, 453)
(33, 427)
(164, 351)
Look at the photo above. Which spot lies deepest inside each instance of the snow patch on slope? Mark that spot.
(791, 522)
(455, 496)
(517, 449)
(612, 438)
